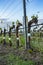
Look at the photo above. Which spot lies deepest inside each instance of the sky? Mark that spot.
(13, 9)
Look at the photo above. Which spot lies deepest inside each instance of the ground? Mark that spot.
(14, 56)
(21, 56)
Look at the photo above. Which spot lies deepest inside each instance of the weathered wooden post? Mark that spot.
(17, 36)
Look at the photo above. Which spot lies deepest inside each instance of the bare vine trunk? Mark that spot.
(17, 37)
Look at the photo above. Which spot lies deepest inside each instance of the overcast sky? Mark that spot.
(13, 9)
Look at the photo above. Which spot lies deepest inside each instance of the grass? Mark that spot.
(11, 59)
(36, 42)
(22, 40)
(15, 60)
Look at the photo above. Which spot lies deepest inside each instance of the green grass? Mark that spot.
(13, 38)
(22, 40)
(15, 60)
(36, 42)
